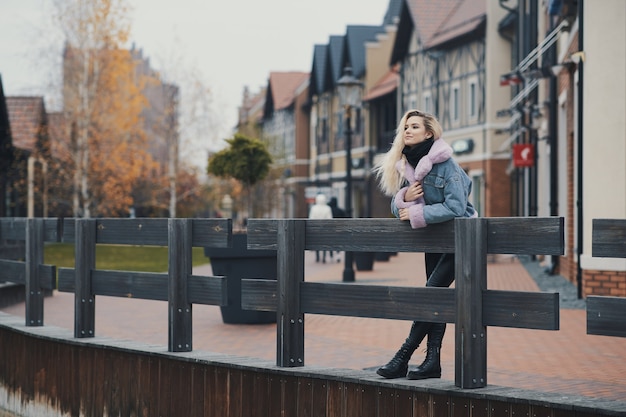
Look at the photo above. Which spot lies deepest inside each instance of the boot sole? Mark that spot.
(427, 376)
(390, 376)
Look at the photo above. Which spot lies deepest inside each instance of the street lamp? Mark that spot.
(349, 90)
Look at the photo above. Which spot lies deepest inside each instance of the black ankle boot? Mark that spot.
(431, 367)
(399, 364)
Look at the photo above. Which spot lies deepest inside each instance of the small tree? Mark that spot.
(246, 159)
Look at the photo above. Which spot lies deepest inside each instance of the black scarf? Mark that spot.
(416, 152)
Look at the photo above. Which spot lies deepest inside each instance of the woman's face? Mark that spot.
(414, 131)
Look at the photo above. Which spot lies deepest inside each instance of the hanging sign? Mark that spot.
(523, 155)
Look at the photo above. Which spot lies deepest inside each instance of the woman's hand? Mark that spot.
(403, 214)
(413, 192)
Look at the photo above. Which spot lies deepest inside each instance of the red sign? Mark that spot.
(523, 155)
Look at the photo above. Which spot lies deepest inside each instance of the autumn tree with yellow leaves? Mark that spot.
(102, 106)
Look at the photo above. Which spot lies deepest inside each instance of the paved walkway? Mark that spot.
(567, 361)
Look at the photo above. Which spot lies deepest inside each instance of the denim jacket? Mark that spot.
(446, 188)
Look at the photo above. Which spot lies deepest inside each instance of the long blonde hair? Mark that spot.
(389, 179)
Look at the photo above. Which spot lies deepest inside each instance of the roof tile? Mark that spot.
(27, 118)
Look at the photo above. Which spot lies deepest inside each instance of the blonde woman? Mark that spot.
(427, 187)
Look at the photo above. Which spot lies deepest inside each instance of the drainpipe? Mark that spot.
(532, 135)
(579, 197)
(552, 137)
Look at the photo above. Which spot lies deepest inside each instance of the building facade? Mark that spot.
(531, 96)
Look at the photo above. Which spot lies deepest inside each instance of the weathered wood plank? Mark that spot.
(65, 280)
(523, 310)
(379, 235)
(14, 228)
(470, 283)
(207, 290)
(608, 238)
(526, 235)
(402, 303)
(305, 397)
(85, 262)
(142, 285)
(180, 265)
(289, 316)
(147, 231)
(605, 316)
(34, 258)
(507, 235)
(15, 271)
(147, 285)
(144, 231)
(212, 233)
(355, 300)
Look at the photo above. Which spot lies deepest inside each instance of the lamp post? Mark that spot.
(349, 90)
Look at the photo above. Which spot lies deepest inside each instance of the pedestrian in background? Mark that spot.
(428, 187)
(320, 210)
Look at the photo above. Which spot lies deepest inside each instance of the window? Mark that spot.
(454, 104)
(472, 95)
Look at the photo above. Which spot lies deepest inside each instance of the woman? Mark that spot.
(428, 187)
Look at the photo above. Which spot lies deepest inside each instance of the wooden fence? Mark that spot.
(470, 305)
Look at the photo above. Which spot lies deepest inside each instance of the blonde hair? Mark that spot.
(389, 179)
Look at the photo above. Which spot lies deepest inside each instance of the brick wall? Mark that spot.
(611, 283)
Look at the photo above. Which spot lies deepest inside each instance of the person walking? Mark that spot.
(320, 210)
(427, 186)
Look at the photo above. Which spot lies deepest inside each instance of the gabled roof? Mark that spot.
(319, 70)
(27, 116)
(468, 16)
(356, 37)
(282, 89)
(435, 23)
(328, 63)
(336, 52)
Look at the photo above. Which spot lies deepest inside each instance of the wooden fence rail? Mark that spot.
(605, 315)
(470, 305)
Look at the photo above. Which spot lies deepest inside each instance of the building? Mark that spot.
(26, 181)
(568, 107)
(531, 96)
(285, 125)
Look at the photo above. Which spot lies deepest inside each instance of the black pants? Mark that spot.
(439, 269)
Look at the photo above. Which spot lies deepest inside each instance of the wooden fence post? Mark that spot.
(471, 281)
(34, 258)
(180, 269)
(85, 262)
(289, 319)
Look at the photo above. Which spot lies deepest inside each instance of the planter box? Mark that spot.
(237, 263)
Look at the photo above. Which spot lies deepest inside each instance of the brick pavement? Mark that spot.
(567, 361)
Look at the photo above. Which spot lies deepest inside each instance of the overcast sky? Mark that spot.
(230, 43)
